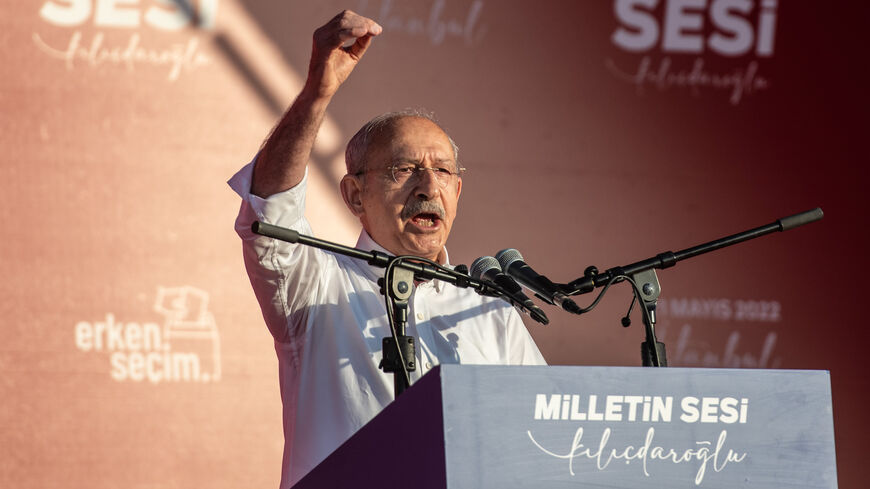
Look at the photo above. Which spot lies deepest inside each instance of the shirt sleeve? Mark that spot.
(283, 275)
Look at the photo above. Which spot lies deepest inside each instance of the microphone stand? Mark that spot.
(642, 272)
(398, 352)
(399, 355)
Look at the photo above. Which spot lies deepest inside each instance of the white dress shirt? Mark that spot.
(328, 319)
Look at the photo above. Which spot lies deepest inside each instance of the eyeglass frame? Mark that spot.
(417, 169)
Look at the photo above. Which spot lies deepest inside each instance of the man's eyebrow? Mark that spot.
(404, 159)
(416, 161)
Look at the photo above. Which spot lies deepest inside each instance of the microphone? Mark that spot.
(487, 268)
(512, 263)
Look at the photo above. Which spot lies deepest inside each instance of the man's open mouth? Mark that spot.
(426, 220)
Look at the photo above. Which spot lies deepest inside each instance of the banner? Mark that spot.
(594, 133)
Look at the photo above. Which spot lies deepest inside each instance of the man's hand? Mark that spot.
(338, 47)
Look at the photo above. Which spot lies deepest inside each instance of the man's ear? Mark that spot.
(351, 192)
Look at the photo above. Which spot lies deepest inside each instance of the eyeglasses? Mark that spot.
(404, 173)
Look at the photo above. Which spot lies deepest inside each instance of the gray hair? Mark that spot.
(354, 155)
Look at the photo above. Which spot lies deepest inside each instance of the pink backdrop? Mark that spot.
(134, 354)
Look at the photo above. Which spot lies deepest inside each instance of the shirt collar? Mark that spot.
(365, 242)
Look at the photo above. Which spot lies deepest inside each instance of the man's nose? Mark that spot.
(427, 186)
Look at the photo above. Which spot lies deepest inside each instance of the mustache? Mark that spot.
(417, 206)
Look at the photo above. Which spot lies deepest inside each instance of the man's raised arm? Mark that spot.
(281, 163)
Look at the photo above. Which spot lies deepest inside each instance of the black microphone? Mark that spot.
(487, 268)
(512, 264)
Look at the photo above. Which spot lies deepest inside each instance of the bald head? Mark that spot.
(380, 130)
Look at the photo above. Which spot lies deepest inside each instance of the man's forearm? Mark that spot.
(281, 163)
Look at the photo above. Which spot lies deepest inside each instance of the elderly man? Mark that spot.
(325, 311)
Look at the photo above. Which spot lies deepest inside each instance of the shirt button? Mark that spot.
(428, 365)
(420, 315)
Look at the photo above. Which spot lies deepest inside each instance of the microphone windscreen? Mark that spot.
(508, 257)
(482, 265)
